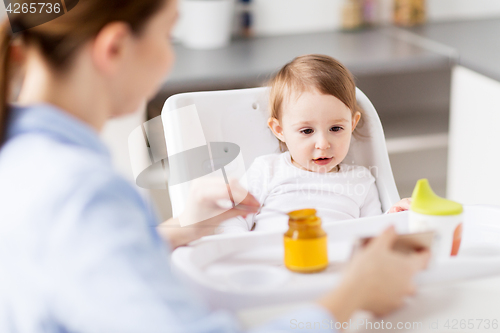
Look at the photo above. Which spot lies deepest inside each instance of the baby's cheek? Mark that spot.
(298, 150)
(302, 156)
(343, 144)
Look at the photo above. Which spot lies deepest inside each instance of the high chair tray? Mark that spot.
(246, 270)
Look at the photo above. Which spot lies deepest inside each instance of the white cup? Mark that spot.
(447, 231)
(206, 24)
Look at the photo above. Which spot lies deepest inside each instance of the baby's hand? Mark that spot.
(400, 206)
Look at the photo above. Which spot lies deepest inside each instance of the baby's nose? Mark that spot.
(322, 143)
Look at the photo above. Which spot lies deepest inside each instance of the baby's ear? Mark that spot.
(355, 119)
(275, 126)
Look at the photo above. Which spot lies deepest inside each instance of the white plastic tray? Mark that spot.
(246, 270)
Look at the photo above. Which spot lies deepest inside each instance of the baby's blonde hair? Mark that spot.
(312, 72)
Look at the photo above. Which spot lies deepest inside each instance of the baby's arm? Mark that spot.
(371, 205)
(400, 206)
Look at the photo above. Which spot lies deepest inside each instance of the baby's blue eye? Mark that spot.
(336, 128)
(307, 131)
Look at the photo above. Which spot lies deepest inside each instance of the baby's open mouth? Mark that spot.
(322, 160)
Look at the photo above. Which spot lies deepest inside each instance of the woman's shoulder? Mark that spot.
(64, 183)
(95, 178)
(64, 171)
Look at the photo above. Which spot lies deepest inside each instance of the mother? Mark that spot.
(78, 246)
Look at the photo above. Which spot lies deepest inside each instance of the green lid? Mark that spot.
(425, 201)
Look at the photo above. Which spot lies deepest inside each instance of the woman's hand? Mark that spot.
(202, 214)
(400, 206)
(376, 280)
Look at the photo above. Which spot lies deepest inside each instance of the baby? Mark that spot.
(313, 114)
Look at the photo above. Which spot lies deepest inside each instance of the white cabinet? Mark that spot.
(474, 138)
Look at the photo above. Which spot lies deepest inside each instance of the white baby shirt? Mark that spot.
(279, 185)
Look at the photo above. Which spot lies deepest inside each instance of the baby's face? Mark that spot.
(317, 130)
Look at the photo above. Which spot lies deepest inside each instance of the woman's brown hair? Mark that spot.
(312, 72)
(59, 40)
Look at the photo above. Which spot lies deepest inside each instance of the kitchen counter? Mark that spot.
(477, 42)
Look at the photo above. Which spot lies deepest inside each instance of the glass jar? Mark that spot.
(409, 12)
(305, 242)
(352, 15)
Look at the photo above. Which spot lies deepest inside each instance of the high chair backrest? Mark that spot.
(240, 116)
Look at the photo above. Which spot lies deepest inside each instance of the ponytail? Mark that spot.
(5, 42)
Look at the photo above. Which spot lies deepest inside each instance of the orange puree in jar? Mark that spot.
(305, 242)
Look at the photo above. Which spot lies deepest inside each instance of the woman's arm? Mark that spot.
(172, 233)
(203, 197)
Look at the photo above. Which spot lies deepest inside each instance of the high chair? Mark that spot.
(240, 117)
